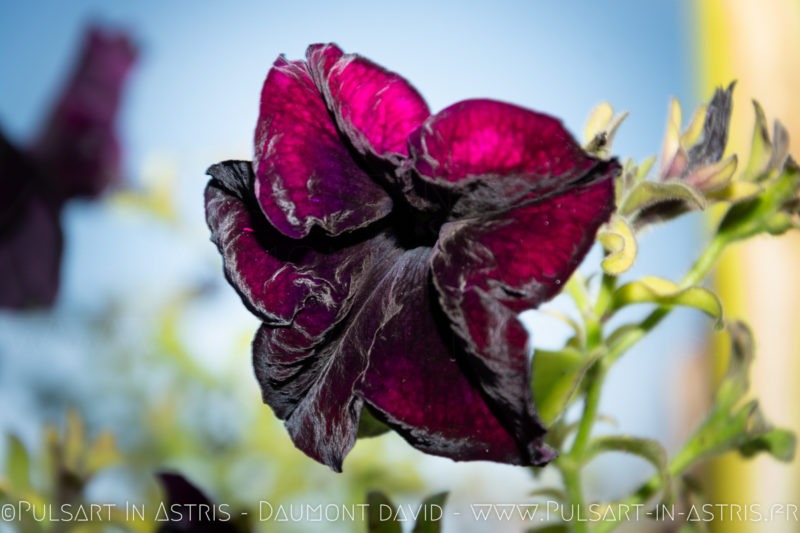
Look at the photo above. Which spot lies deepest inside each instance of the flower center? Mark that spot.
(414, 228)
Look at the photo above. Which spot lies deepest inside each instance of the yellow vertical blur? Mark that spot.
(757, 43)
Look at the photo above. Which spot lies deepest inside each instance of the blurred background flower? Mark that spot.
(145, 340)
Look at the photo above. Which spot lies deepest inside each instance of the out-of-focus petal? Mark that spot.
(31, 240)
(30, 256)
(78, 144)
(376, 109)
(304, 284)
(305, 175)
(487, 270)
(496, 155)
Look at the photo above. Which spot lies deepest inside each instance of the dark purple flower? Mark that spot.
(188, 509)
(31, 240)
(388, 251)
(77, 145)
(76, 154)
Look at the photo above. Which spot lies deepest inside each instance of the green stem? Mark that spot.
(571, 464)
(698, 272)
(571, 474)
(677, 467)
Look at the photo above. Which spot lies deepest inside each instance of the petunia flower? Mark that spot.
(388, 252)
(75, 154)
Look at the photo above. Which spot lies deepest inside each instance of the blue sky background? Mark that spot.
(193, 100)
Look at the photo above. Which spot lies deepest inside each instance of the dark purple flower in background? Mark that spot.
(388, 252)
(76, 154)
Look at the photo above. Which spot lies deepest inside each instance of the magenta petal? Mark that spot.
(286, 282)
(305, 175)
(393, 352)
(316, 393)
(376, 109)
(420, 384)
(78, 144)
(524, 256)
(497, 155)
(488, 270)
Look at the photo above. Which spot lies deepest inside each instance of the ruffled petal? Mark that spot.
(396, 352)
(376, 109)
(305, 284)
(420, 385)
(305, 175)
(488, 270)
(315, 393)
(494, 155)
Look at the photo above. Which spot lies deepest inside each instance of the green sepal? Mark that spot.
(648, 194)
(760, 148)
(770, 211)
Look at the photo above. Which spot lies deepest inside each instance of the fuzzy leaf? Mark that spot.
(664, 292)
(620, 245)
(767, 212)
(745, 429)
(650, 193)
(555, 378)
(648, 449)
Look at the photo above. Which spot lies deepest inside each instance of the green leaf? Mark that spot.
(648, 194)
(729, 428)
(369, 426)
(648, 449)
(430, 517)
(779, 443)
(555, 379)
(18, 464)
(660, 291)
(553, 528)
(746, 431)
(381, 514)
(102, 453)
(620, 245)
